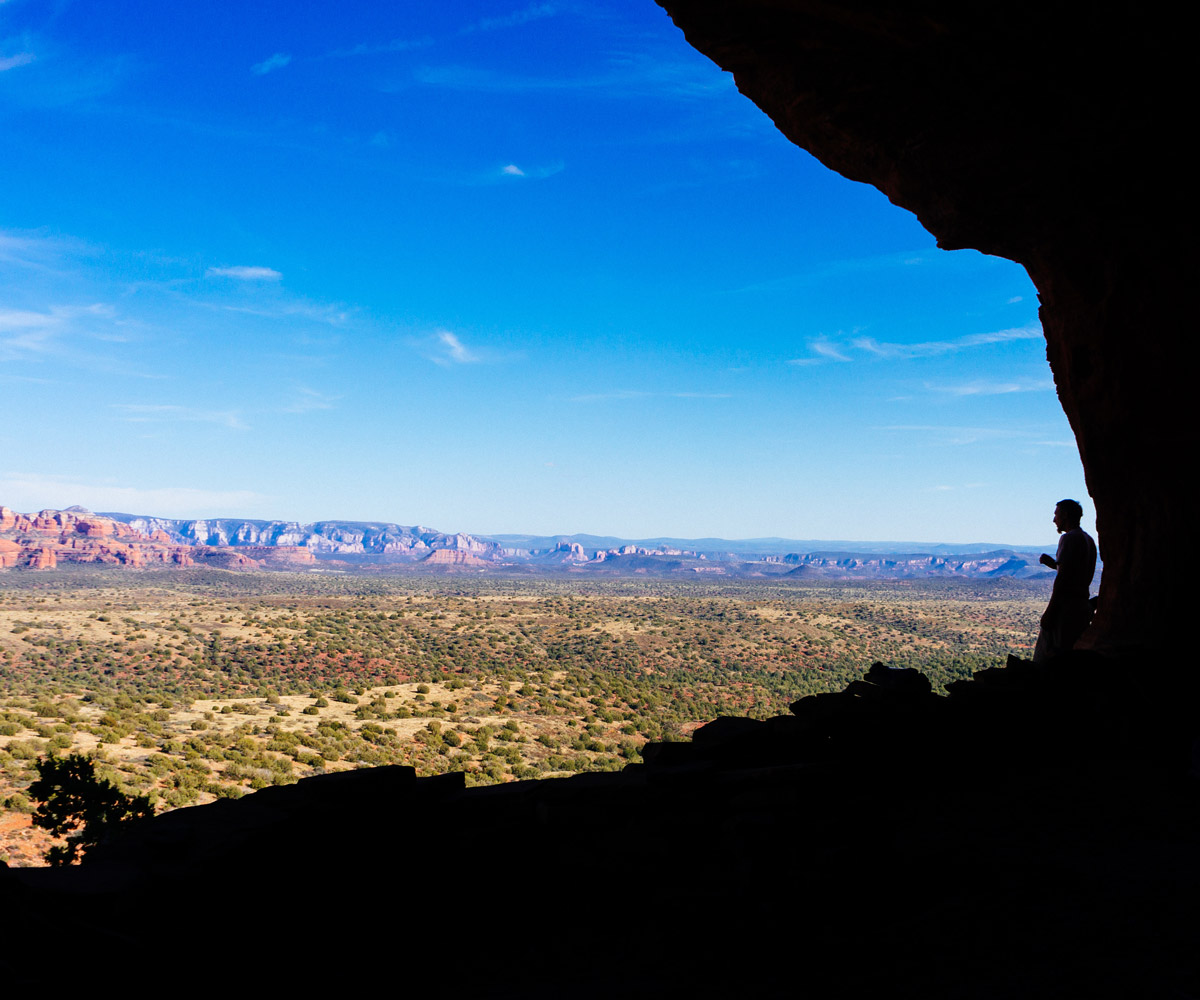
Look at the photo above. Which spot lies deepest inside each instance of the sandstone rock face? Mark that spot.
(1034, 133)
(76, 535)
(10, 553)
(42, 559)
(50, 537)
(571, 551)
(281, 556)
(1003, 563)
(454, 557)
(327, 538)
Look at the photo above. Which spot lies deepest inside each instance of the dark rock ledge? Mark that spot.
(1037, 832)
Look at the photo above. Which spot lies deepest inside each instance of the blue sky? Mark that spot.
(485, 267)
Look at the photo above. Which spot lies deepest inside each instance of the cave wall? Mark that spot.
(1048, 134)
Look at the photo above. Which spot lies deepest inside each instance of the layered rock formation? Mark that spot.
(50, 537)
(76, 535)
(326, 538)
(917, 565)
(454, 557)
(1045, 133)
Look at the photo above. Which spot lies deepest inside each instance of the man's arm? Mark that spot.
(1055, 564)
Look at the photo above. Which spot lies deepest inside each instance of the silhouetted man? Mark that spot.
(1069, 610)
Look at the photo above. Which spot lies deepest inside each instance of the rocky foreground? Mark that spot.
(1036, 833)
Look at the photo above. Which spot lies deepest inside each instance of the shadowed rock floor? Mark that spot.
(1035, 833)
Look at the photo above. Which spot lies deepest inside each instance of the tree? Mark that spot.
(76, 804)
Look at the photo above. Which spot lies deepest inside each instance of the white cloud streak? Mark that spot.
(980, 388)
(533, 173)
(245, 273)
(825, 349)
(935, 347)
(141, 413)
(308, 400)
(616, 394)
(631, 76)
(271, 63)
(12, 62)
(27, 334)
(454, 349)
(369, 49)
(534, 12)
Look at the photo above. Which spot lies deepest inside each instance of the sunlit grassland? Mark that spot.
(191, 685)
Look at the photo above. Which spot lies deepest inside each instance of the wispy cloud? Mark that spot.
(37, 251)
(245, 273)
(846, 348)
(982, 388)
(534, 12)
(66, 74)
(452, 350)
(12, 62)
(32, 491)
(445, 348)
(316, 312)
(600, 397)
(823, 350)
(306, 400)
(141, 413)
(277, 61)
(532, 173)
(28, 333)
(934, 347)
(824, 270)
(377, 48)
(627, 76)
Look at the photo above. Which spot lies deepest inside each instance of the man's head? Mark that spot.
(1067, 515)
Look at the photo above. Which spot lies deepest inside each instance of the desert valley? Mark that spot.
(193, 671)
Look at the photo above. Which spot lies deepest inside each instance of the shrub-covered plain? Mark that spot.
(186, 686)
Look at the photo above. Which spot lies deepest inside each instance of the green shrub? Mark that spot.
(24, 749)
